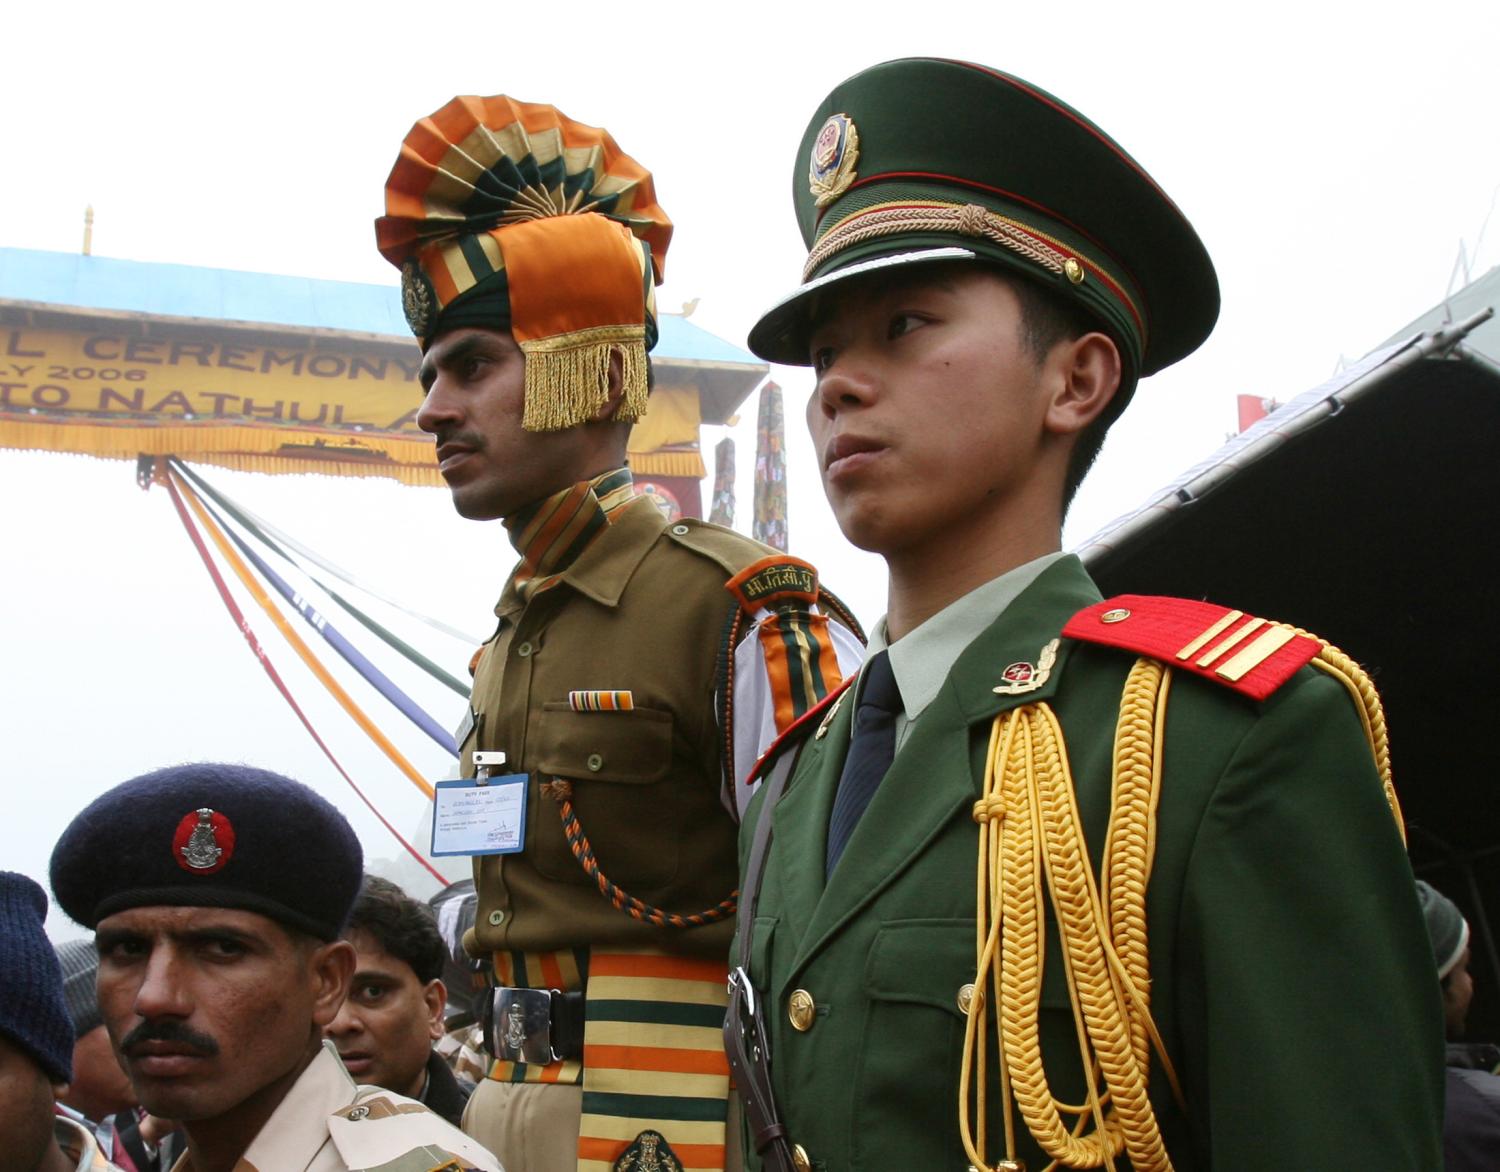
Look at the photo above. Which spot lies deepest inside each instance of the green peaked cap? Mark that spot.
(925, 160)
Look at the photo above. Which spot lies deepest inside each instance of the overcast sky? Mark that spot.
(1332, 159)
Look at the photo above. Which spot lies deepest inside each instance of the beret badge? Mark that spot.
(204, 841)
(834, 153)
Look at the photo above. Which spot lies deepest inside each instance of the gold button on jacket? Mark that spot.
(801, 1010)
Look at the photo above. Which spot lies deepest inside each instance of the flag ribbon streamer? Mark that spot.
(262, 531)
(263, 600)
(238, 616)
(347, 651)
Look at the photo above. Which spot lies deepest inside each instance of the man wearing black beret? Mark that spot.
(217, 894)
(1059, 881)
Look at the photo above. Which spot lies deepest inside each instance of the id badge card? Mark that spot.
(476, 817)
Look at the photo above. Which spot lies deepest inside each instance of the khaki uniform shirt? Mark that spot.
(643, 609)
(75, 1142)
(328, 1124)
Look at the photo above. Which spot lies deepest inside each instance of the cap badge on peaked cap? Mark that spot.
(204, 841)
(834, 154)
(961, 163)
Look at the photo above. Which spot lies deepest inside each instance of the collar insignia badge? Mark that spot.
(834, 154)
(1019, 678)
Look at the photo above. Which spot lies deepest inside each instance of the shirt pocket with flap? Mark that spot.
(620, 767)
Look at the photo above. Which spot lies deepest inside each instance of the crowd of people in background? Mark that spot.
(408, 1025)
(740, 925)
(250, 998)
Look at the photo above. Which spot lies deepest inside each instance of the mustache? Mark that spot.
(173, 1032)
(466, 436)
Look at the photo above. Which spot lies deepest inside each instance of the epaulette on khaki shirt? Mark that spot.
(328, 1124)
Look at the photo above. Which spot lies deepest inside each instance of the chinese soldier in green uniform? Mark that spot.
(1058, 881)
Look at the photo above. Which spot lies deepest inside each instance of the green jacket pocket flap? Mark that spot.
(924, 962)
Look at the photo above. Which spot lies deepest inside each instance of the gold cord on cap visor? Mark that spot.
(890, 219)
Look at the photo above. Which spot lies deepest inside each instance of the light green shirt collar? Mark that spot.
(922, 659)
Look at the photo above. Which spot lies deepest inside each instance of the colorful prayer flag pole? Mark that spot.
(770, 471)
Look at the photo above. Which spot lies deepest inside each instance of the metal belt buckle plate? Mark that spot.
(521, 1027)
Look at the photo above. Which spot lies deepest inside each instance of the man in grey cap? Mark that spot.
(99, 1089)
(217, 894)
(1471, 1114)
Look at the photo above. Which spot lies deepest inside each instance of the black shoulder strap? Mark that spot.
(746, 1039)
(760, 847)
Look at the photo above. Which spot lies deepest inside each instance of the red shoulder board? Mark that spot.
(1250, 655)
(800, 727)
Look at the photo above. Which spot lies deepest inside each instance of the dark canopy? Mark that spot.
(1366, 511)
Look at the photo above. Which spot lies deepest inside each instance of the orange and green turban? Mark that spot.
(509, 215)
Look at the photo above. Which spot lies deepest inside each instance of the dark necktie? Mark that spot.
(870, 752)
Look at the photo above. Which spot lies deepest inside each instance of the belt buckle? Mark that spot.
(520, 1026)
(741, 1027)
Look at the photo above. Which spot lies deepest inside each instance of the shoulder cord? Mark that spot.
(1029, 832)
(1371, 714)
(734, 625)
(1028, 813)
(561, 792)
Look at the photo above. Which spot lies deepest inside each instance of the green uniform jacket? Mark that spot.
(1292, 981)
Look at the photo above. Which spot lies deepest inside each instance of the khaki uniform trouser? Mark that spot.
(533, 1127)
